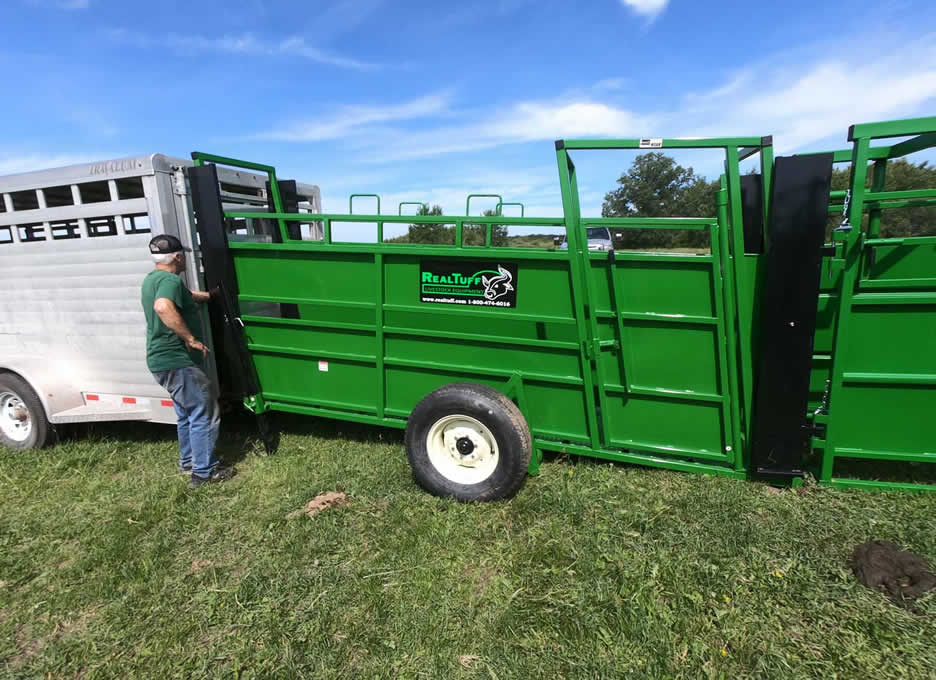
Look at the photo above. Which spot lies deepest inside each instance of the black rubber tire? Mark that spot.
(42, 431)
(500, 415)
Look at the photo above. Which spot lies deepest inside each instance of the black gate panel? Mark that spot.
(752, 213)
(235, 368)
(788, 319)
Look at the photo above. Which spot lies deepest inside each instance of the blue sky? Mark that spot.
(431, 101)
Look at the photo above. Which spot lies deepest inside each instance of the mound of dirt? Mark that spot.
(902, 575)
(323, 501)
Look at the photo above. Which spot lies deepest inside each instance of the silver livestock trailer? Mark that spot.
(73, 253)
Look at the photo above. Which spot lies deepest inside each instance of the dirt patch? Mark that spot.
(200, 565)
(902, 575)
(331, 499)
(25, 649)
(468, 660)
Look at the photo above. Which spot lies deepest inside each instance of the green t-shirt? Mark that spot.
(165, 350)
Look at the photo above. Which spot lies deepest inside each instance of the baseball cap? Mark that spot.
(166, 244)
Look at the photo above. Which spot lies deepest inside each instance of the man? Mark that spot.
(174, 354)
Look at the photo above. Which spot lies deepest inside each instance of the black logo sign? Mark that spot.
(461, 282)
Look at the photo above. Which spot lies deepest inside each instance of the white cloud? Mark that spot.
(804, 106)
(245, 44)
(647, 8)
(351, 120)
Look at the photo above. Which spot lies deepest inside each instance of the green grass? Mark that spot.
(110, 568)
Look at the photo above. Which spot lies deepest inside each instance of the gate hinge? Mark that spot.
(255, 404)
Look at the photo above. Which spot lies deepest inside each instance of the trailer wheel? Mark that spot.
(23, 421)
(468, 441)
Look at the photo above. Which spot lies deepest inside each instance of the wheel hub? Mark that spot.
(15, 422)
(464, 445)
(462, 448)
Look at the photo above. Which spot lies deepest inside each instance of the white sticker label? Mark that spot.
(651, 143)
(323, 366)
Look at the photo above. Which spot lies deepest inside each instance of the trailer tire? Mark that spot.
(470, 442)
(23, 421)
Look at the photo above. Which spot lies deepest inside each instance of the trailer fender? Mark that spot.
(55, 392)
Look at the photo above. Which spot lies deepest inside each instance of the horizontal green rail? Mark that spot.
(898, 195)
(893, 128)
(637, 458)
(401, 219)
(689, 223)
(202, 158)
(665, 143)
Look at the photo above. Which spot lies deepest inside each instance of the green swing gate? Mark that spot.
(698, 362)
(880, 317)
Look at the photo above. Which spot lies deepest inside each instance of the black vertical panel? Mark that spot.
(235, 367)
(289, 194)
(788, 319)
(752, 213)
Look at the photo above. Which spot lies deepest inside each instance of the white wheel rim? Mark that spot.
(15, 418)
(462, 449)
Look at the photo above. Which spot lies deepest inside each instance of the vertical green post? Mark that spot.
(379, 333)
(722, 252)
(573, 223)
(852, 254)
(767, 160)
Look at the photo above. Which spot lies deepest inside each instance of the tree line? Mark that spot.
(657, 186)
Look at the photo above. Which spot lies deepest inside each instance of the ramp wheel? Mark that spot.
(468, 441)
(23, 422)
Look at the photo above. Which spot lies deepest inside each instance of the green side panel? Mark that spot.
(669, 356)
(556, 411)
(894, 339)
(276, 333)
(900, 267)
(305, 380)
(664, 284)
(282, 275)
(495, 323)
(881, 418)
(682, 428)
(484, 353)
(886, 404)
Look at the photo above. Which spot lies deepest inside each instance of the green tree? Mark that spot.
(657, 186)
(429, 233)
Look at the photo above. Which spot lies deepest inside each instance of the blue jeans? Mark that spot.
(198, 414)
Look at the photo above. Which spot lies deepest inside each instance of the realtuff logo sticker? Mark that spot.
(459, 282)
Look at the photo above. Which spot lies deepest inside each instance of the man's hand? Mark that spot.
(200, 296)
(196, 345)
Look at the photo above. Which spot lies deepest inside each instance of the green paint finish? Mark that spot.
(637, 357)
(879, 303)
(684, 428)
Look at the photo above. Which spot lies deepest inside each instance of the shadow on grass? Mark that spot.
(240, 438)
(239, 435)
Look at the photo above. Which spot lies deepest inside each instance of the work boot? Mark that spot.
(219, 474)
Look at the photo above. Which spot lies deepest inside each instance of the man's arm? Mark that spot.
(200, 296)
(169, 313)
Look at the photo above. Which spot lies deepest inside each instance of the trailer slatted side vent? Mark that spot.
(24, 200)
(31, 232)
(94, 192)
(58, 197)
(65, 230)
(102, 226)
